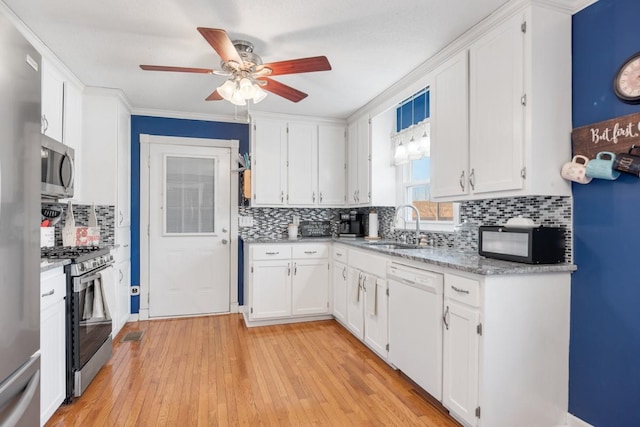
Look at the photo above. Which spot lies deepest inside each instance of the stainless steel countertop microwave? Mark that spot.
(57, 169)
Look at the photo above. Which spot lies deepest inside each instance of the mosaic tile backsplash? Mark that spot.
(105, 214)
(551, 211)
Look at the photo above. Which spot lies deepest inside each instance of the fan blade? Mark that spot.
(177, 69)
(215, 96)
(221, 43)
(302, 65)
(283, 90)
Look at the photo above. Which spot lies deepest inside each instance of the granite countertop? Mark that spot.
(46, 264)
(468, 261)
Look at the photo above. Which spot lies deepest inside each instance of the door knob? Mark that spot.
(225, 241)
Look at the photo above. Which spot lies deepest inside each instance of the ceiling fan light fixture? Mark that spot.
(259, 94)
(227, 89)
(247, 88)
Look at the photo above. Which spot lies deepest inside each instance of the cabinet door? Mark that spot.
(460, 360)
(124, 167)
(332, 178)
(352, 163)
(123, 294)
(269, 162)
(376, 314)
(270, 289)
(302, 143)
(450, 128)
(310, 287)
(496, 110)
(340, 286)
(364, 160)
(52, 101)
(355, 303)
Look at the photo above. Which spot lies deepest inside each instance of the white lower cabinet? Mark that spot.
(286, 282)
(367, 300)
(340, 281)
(52, 342)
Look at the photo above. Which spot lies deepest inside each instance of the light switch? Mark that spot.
(245, 221)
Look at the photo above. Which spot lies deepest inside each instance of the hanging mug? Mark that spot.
(576, 171)
(627, 162)
(602, 166)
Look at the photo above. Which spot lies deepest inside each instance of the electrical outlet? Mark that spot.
(245, 221)
(135, 290)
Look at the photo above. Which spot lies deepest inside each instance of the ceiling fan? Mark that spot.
(248, 77)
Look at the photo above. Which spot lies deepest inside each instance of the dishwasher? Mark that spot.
(415, 325)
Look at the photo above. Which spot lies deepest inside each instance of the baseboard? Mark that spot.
(573, 421)
(135, 317)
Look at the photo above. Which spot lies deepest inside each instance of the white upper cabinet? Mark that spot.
(332, 168)
(517, 133)
(450, 128)
(269, 162)
(358, 186)
(52, 101)
(292, 168)
(303, 164)
(497, 109)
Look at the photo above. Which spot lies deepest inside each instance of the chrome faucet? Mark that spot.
(417, 219)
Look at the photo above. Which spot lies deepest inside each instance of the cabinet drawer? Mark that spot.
(462, 289)
(310, 251)
(340, 253)
(53, 285)
(264, 252)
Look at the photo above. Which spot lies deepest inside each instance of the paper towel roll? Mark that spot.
(373, 224)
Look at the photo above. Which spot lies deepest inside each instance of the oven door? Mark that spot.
(91, 322)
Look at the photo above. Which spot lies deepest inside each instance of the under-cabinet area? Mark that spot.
(463, 328)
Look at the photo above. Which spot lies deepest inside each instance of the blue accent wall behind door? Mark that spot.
(168, 127)
(604, 377)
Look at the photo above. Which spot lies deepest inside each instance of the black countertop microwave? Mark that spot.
(533, 245)
(57, 169)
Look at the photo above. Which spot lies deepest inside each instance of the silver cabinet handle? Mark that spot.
(121, 217)
(295, 268)
(472, 179)
(45, 123)
(321, 197)
(313, 197)
(445, 316)
(358, 195)
(51, 292)
(121, 276)
(462, 181)
(462, 291)
(338, 254)
(272, 253)
(282, 196)
(288, 269)
(344, 273)
(310, 252)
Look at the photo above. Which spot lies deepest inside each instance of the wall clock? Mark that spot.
(626, 83)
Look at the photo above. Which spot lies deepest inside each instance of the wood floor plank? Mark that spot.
(213, 371)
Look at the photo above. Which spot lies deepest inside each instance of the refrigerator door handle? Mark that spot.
(14, 388)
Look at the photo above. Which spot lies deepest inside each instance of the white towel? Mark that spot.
(355, 287)
(372, 295)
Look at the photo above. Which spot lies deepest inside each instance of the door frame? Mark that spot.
(145, 150)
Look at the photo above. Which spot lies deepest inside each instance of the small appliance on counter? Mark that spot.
(351, 225)
(521, 240)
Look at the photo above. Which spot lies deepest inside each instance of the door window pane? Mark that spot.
(190, 195)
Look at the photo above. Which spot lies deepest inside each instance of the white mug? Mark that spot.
(575, 171)
(292, 231)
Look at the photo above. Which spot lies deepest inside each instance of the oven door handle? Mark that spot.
(83, 284)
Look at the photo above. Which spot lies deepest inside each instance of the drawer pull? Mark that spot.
(310, 252)
(338, 254)
(51, 292)
(272, 253)
(462, 291)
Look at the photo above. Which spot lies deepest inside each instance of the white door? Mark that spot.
(340, 285)
(376, 318)
(332, 179)
(189, 251)
(355, 303)
(269, 162)
(270, 289)
(363, 193)
(352, 163)
(460, 360)
(303, 164)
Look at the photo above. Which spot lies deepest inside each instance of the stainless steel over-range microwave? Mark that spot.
(57, 169)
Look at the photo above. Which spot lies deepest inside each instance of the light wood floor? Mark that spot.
(213, 371)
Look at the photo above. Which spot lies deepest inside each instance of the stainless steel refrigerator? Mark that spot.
(19, 229)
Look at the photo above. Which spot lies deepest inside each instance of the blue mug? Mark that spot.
(602, 167)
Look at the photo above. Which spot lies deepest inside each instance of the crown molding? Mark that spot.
(298, 118)
(188, 116)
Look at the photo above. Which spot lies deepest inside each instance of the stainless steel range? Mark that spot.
(89, 326)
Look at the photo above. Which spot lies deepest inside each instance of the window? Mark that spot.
(414, 167)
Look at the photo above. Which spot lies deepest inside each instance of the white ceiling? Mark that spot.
(370, 44)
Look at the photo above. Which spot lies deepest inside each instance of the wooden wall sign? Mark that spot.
(615, 135)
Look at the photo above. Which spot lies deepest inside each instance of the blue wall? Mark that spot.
(604, 377)
(168, 127)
